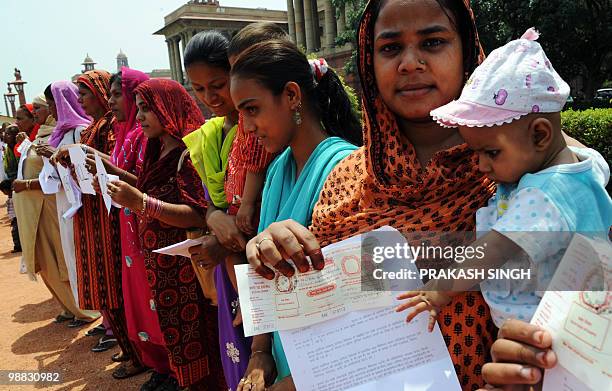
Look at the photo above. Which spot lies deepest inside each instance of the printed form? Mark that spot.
(370, 350)
(580, 321)
(307, 298)
(355, 340)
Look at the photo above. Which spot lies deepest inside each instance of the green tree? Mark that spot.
(353, 10)
(576, 34)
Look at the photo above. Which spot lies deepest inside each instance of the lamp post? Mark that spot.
(18, 83)
(10, 96)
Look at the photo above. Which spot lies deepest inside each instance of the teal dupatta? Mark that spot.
(287, 197)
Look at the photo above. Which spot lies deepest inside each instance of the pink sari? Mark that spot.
(140, 312)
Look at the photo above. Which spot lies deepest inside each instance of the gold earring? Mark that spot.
(297, 116)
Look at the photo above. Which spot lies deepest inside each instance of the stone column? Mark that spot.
(178, 60)
(315, 25)
(341, 19)
(300, 32)
(291, 20)
(183, 37)
(308, 23)
(330, 25)
(171, 58)
(175, 55)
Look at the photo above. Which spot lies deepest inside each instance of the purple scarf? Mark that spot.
(70, 114)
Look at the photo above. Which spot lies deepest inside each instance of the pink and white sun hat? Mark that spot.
(514, 80)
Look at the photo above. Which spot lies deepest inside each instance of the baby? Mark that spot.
(509, 114)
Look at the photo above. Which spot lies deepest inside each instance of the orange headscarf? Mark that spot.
(383, 183)
(99, 134)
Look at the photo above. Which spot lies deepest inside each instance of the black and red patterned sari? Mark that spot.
(188, 321)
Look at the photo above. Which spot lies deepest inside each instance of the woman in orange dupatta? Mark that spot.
(410, 174)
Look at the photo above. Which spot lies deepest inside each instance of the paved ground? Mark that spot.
(29, 340)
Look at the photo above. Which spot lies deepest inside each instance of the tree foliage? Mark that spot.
(353, 10)
(576, 34)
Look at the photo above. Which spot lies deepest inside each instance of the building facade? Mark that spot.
(200, 15)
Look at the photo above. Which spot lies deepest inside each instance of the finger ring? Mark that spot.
(242, 380)
(426, 301)
(263, 240)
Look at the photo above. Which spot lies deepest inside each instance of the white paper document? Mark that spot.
(580, 321)
(181, 248)
(308, 298)
(73, 194)
(370, 350)
(113, 178)
(23, 150)
(50, 182)
(84, 177)
(102, 181)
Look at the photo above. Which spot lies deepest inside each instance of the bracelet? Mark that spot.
(259, 351)
(154, 207)
(144, 203)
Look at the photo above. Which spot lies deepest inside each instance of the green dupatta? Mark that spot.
(209, 153)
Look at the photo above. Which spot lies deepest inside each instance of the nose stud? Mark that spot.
(422, 62)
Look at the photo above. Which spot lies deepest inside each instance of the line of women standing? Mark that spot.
(409, 173)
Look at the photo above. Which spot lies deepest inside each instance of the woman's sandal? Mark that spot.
(104, 343)
(98, 330)
(128, 370)
(61, 318)
(75, 323)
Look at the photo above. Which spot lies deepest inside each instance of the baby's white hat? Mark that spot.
(514, 80)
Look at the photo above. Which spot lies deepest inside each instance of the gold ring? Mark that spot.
(426, 301)
(263, 240)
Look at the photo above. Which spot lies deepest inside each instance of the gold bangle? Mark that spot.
(144, 203)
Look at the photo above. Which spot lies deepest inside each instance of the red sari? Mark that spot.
(97, 237)
(142, 324)
(187, 319)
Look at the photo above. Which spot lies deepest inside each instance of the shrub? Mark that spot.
(593, 128)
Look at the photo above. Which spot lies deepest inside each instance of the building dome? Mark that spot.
(88, 60)
(88, 63)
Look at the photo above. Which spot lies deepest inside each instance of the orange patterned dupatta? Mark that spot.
(383, 183)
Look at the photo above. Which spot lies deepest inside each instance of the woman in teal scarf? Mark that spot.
(298, 108)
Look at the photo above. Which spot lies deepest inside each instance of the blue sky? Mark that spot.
(48, 40)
